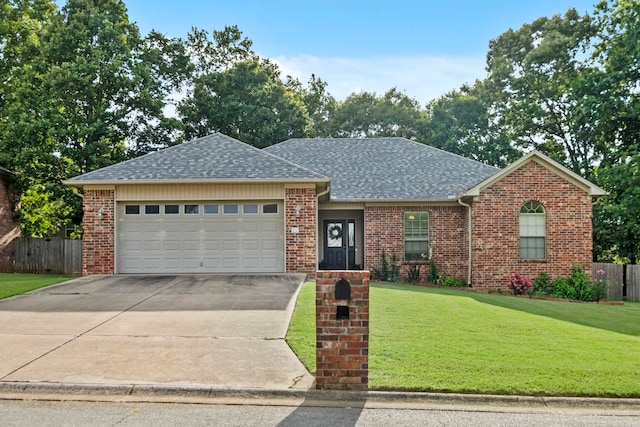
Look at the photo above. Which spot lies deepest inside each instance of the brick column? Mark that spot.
(342, 332)
(98, 254)
(301, 230)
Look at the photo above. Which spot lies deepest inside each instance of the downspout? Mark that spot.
(468, 206)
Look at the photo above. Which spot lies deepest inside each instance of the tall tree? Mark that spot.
(320, 104)
(535, 74)
(365, 115)
(617, 216)
(248, 101)
(91, 87)
(23, 24)
(460, 122)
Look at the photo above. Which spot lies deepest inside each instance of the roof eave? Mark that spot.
(450, 199)
(83, 183)
(591, 189)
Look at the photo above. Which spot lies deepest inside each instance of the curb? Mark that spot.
(150, 393)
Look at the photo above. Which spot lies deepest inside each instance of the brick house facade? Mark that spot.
(447, 237)
(496, 250)
(335, 208)
(9, 228)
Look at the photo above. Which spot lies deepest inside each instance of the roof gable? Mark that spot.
(553, 166)
(378, 169)
(213, 157)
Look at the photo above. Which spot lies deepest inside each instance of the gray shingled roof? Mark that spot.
(215, 156)
(384, 168)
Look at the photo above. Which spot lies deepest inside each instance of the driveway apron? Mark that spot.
(203, 330)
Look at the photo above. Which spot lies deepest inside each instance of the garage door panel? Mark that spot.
(271, 226)
(270, 262)
(250, 245)
(200, 243)
(230, 245)
(271, 245)
(250, 263)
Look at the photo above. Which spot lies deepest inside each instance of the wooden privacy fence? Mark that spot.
(49, 255)
(633, 282)
(615, 278)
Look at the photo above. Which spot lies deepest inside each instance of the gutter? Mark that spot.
(468, 206)
(82, 183)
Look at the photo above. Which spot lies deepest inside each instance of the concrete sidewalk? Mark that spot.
(170, 331)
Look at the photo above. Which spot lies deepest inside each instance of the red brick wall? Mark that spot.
(496, 233)
(301, 246)
(342, 345)
(384, 228)
(9, 229)
(98, 243)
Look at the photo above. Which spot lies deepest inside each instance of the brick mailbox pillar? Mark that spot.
(342, 330)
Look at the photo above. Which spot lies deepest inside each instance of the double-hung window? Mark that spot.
(416, 236)
(533, 231)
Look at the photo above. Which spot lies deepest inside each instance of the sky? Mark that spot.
(425, 48)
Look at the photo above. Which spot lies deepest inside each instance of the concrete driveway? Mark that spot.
(199, 330)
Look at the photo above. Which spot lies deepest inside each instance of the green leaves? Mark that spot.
(248, 101)
(42, 214)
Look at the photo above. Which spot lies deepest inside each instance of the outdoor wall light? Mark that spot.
(101, 213)
(297, 208)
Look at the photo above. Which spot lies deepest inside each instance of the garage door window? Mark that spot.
(230, 209)
(171, 209)
(191, 209)
(132, 209)
(152, 209)
(250, 208)
(271, 208)
(210, 209)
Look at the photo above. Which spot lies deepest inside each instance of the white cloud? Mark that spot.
(422, 78)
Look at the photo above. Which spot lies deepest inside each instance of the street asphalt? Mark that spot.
(195, 339)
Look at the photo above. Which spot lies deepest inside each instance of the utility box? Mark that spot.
(342, 330)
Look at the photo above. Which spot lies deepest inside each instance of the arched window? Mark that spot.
(533, 231)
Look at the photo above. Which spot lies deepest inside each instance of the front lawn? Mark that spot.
(17, 284)
(426, 339)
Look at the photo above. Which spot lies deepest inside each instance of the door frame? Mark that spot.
(348, 248)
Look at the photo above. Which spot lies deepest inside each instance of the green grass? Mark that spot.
(17, 284)
(426, 339)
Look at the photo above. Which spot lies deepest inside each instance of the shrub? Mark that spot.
(387, 270)
(434, 276)
(599, 287)
(414, 273)
(395, 267)
(452, 282)
(579, 286)
(542, 285)
(519, 284)
(581, 283)
(563, 289)
(382, 271)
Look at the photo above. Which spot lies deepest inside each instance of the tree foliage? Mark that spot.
(534, 74)
(460, 122)
(42, 213)
(365, 115)
(248, 101)
(617, 217)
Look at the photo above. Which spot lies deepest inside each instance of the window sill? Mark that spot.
(415, 263)
(541, 261)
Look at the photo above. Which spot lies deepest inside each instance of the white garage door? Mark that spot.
(200, 237)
